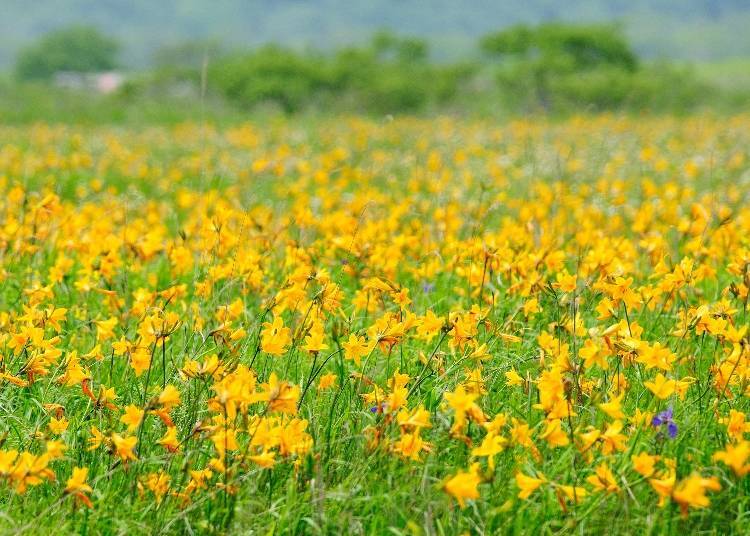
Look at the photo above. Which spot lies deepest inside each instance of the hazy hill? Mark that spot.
(680, 29)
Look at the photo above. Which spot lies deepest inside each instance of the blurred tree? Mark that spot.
(272, 74)
(391, 74)
(535, 59)
(574, 47)
(76, 48)
(389, 46)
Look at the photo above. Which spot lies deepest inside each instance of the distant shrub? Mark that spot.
(272, 74)
(563, 46)
(557, 67)
(77, 48)
(390, 75)
(553, 68)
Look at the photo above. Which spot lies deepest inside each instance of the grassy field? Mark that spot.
(350, 326)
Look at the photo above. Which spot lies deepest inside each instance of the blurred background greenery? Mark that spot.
(172, 60)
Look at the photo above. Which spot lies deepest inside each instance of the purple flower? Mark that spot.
(665, 418)
(672, 429)
(380, 408)
(428, 287)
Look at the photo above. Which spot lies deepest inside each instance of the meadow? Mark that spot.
(358, 326)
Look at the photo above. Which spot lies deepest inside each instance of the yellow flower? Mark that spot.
(417, 418)
(661, 386)
(315, 340)
(77, 486)
(735, 456)
(593, 354)
(275, 337)
(124, 446)
(169, 441)
(603, 479)
(530, 307)
(266, 459)
(132, 417)
(58, 426)
(464, 485)
(643, 463)
(691, 492)
(736, 424)
(565, 282)
(140, 360)
(554, 434)
(613, 407)
(158, 483)
(492, 445)
(573, 493)
(280, 395)
(460, 400)
(355, 348)
(327, 381)
(169, 398)
(663, 485)
(96, 439)
(528, 484)
(411, 444)
(105, 329)
(55, 449)
(514, 378)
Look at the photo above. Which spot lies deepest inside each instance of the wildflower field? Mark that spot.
(351, 326)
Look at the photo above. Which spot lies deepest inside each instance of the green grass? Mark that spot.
(354, 199)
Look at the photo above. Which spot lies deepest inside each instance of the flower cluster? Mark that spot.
(468, 321)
